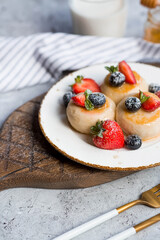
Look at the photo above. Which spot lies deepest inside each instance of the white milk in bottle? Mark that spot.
(99, 17)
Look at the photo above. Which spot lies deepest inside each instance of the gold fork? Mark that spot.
(150, 198)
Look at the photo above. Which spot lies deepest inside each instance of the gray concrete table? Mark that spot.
(36, 214)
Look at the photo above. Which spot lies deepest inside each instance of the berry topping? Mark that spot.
(67, 97)
(153, 87)
(79, 100)
(107, 135)
(83, 100)
(126, 70)
(97, 99)
(133, 142)
(158, 94)
(116, 79)
(149, 103)
(89, 100)
(82, 84)
(133, 104)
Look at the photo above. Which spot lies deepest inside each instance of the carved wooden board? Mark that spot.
(28, 160)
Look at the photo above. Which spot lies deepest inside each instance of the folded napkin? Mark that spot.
(36, 59)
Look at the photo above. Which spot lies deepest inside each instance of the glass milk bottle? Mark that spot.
(99, 17)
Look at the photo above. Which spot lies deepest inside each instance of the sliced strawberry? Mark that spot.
(127, 71)
(82, 84)
(79, 100)
(108, 135)
(149, 103)
(158, 94)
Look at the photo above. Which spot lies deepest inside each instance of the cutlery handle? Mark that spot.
(95, 222)
(123, 235)
(133, 230)
(87, 226)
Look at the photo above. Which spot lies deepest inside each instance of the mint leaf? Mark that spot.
(87, 93)
(98, 129)
(112, 69)
(79, 79)
(143, 98)
(88, 104)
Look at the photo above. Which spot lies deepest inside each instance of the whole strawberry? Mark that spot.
(107, 135)
(82, 84)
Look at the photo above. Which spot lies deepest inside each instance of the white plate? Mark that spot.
(79, 147)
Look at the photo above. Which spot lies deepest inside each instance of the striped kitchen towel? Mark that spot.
(27, 61)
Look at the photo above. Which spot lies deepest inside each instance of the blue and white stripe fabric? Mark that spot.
(36, 59)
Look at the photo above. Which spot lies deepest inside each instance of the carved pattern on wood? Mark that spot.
(28, 160)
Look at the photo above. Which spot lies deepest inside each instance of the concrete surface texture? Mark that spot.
(36, 214)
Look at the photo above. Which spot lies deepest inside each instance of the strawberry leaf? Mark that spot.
(98, 129)
(88, 104)
(112, 69)
(79, 79)
(71, 85)
(143, 98)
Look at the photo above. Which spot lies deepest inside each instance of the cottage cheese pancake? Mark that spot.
(118, 93)
(143, 123)
(82, 120)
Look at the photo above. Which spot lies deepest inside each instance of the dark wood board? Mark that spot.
(28, 160)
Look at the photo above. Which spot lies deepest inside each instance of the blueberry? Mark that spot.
(116, 79)
(153, 87)
(98, 99)
(133, 104)
(67, 97)
(133, 142)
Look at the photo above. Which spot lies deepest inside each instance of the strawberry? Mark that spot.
(158, 94)
(79, 100)
(126, 70)
(82, 99)
(149, 103)
(82, 84)
(107, 135)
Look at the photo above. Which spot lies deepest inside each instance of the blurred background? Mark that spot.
(19, 17)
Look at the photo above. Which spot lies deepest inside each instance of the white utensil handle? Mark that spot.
(87, 226)
(124, 235)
